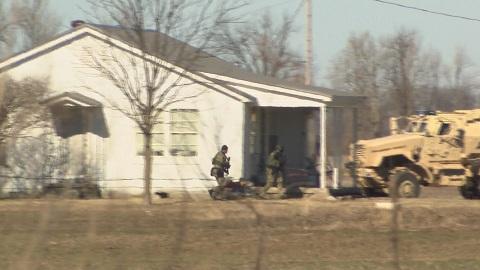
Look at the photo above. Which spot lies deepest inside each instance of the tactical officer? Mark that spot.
(221, 164)
(275, 169)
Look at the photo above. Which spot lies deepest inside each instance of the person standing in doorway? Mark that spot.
(275, 170)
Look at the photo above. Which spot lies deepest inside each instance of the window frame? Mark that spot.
(173, 148)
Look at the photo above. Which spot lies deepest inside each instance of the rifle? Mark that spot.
(227, 166)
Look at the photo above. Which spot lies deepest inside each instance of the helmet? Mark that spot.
(224, 147)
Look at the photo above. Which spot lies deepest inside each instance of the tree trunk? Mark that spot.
(147, 173)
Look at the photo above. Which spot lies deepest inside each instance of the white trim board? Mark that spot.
(90, 30)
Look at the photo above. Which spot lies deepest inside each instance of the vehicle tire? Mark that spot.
(470, 190)
(405, 184)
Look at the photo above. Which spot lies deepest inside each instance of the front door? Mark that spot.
(277, 126)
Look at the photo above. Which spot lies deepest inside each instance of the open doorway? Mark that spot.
(294, 129)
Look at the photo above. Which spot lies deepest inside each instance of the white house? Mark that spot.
(250, 113)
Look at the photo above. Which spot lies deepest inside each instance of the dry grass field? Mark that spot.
(190, 231)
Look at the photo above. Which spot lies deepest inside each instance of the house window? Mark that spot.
(158, 140)
(184, 132)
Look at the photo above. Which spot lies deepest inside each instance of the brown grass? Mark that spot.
(185, 232)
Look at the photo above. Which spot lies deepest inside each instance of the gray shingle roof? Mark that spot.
(207, 63)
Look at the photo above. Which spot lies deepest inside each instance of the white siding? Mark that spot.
(221, 122)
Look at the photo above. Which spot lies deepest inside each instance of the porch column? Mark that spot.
(323, 146)
(267, 134)
(85, 141)
(247, 115)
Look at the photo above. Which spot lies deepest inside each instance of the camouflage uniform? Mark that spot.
(470, 189)
(221, 164)
(274, 171)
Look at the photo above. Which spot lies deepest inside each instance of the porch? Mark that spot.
(80, 128)
(316, 143)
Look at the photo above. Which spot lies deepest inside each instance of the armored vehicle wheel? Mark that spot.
(405, 184)
(470, 190)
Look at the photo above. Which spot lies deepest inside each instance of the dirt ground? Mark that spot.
(190, 231)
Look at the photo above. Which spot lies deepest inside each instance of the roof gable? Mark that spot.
(206, 64)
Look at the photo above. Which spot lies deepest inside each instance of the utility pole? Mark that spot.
(309, 52)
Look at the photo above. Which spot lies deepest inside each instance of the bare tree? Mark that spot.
(20, 110)
(27, 146)
(263, 47)
(429, 93)
(36, 162)
(400, 63)
(398, 78)
(6, 32)
(355, 70)
(35, 21)
(21, 106)
(164, 29)
(461, 82)
(446, 87)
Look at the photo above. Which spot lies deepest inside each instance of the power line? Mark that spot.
(428, 11)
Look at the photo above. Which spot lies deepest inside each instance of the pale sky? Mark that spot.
(335, 20)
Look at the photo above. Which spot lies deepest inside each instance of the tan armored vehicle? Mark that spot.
(435, 148)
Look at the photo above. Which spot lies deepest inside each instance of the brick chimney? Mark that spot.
(76, 23)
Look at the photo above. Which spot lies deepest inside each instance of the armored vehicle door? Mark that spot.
(446, 146)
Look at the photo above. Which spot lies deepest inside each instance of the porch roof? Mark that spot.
(265, 97)
(72, 99)
(268, 96)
